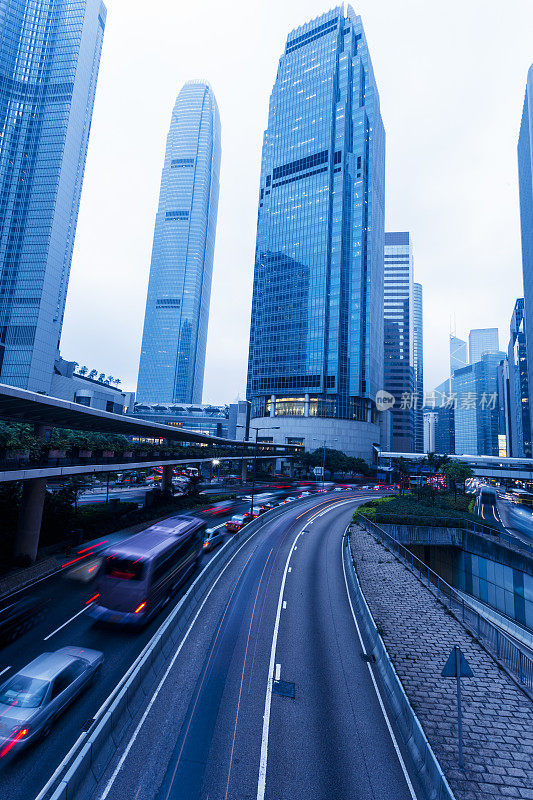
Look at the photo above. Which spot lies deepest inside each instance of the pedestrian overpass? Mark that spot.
(482, 466)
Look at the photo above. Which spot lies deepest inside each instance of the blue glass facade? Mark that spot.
(519, 416)
(477, 419)
(316, 338)
(172, 362)
(49, 60)
(418, 354)
(525, 187)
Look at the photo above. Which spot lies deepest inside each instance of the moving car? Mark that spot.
(212, 537)
(32, 699)
(303, 494)
(236, 523)
(18, 616)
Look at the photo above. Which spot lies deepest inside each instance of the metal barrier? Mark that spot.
(503, 647)
(492, 533)
(424, 761)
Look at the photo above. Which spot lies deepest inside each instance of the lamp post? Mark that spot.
(262, 428)
(216, 463)
(315, 439)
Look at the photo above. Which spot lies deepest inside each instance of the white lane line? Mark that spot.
(278, 671)
(395, 743)
(66, 623)
(284, 604)
(290, 569)
(296, 548)
(4, 670)
(167, 671)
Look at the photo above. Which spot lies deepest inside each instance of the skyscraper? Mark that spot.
(477, 420)
(482, 341)
(172, 362)
(399, 376)
(519, 424)
(525, 189)
(418, 355)
(458, 354)
(49, 60)
(316, 338)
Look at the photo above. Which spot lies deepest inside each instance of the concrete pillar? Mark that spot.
(166, 483)
(306, 405)
(272, 405)
(31, 514)
(244, 471)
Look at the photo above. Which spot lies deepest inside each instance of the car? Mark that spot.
(338, 489)
(303, 494)
(212, 537)
(267, 507)
(33, 698)
(236, 523)
(19, 615)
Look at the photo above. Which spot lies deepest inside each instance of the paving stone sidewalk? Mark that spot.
(419, 634)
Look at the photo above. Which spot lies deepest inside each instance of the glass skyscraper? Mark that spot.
(418, 356)
(525, 187)
(482, 341)
(316, 339)
(477, 421)
(399, 370)
(519, 416)
(49, 60)
(172, 362)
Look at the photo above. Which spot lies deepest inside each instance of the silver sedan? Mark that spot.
(31, 700)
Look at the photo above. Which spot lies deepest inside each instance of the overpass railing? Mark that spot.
(502, 646)
(495, 534)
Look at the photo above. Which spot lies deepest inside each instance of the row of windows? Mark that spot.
(167, 302)
(181, 162)
(173, 215)
(312, 35)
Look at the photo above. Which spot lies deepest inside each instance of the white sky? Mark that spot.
(451, 77)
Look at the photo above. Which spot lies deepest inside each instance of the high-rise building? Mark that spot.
(482, 341)
(399, 376)
(418, 355)
(477, 413)
(444, 408)
(525, 189)
(171, 368)
(519, 423)
(49, 59)
(316, 339)
(458, 353)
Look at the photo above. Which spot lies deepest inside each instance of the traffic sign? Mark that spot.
(451, 666)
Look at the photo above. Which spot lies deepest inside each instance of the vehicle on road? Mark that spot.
(212, 537)
(139, 575)
(303, 494)
(32, 699)
(19, 615)
(236, 523)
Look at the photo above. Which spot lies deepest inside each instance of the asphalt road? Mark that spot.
(277, 618)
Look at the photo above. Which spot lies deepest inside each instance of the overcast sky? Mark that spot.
(451, 77)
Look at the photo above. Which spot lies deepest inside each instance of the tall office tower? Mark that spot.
(172, 362)
(418, 354)
(49, 60)
(399, 376)
(445, 420)
(482, 341)
(477, 420)
(458, 354)
(519, 424)
(316, 338)
(525, 189)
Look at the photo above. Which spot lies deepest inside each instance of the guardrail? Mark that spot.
(82, 768)
(492, 533)
(502, 646)
(424, 761)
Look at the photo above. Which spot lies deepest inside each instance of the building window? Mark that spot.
(177, 215)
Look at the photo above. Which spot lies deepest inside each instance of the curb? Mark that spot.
(423, 760)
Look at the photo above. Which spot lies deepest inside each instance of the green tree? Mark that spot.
(456, 472)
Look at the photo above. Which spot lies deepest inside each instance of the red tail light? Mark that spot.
(92, 599)
(16, 738)
(140, 608)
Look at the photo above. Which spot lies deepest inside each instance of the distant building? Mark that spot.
(49, 60)
(418, 356)
(430, 428)
(171, 368)
(525, 188)
(458, 353)
(70, 385)
(519, 423)
(477, 415)
(316, 338)
(209, 419)
(445, 419)
(399, 376)
(482, 341)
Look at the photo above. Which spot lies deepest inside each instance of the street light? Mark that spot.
(261, 428)
(216, 463)
(316, 439)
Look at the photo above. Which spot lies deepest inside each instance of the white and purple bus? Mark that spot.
(140, 574)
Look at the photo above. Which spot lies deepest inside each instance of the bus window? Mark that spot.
(124, 568)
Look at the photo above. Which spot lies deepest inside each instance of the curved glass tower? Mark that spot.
(316, 338)
(49, 58)
(171, 367)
